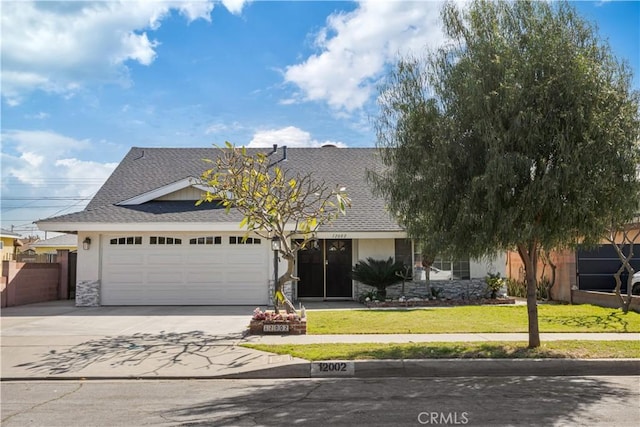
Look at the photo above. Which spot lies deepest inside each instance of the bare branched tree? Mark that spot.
(273, 204)
(623, 241)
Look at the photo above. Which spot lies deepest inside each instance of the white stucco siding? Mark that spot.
(374, 248)
(88, 268)
(480, 268)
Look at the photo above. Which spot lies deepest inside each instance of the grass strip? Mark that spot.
(574, 349)
(471, 319)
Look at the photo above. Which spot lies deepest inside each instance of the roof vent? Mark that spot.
(329, 146)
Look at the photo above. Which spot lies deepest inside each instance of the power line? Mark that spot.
(46, 198)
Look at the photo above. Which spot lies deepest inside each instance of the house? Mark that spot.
(51, 245)
(145, 242)
(8, 243)
(586, 269)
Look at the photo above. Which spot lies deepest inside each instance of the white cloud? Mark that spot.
(290, 136)
(234, 6)
(222, 127)
(354, 49)
(39, 116)
(40, 157)
(50, 144)
(60, 46)
(42, 165)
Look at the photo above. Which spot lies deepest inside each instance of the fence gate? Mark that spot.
(597, 266)
(73, 263)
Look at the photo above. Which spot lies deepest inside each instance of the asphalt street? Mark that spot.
(472, 401)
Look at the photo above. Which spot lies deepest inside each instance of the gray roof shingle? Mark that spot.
(146, 169)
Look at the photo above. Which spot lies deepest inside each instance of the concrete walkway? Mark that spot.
(59, 341)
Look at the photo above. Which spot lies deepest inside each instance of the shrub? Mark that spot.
(369, 296)
(516, 288)
(378, 273)
(494, 283)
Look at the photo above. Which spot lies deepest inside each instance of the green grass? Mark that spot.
(478, 319)
(441, 350)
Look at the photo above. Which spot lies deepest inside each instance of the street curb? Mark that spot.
(422, 368)
(411, 368)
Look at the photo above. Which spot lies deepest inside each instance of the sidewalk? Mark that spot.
(59, 341)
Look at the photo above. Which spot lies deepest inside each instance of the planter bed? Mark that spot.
(439, 302)
(279, 327)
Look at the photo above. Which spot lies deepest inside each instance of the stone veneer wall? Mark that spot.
(88, 293)
(288, 291)
(450, 289)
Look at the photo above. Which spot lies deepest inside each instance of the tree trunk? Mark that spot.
(280, 298)
(529, 259)
(545, 257)
(627, 239)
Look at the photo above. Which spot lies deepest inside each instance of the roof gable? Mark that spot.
(166, 191)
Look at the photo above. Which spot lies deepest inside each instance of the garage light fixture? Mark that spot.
(276, 245)
(86, 243)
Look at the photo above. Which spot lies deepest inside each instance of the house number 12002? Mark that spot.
(332, 368)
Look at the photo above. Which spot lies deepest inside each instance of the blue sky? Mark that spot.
(82, 82)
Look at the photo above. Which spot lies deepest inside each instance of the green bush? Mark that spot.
(517, 288)
(369, 296)
(378, 273)
(494, 283)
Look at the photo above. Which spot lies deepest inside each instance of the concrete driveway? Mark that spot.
(59, 340)
(62, 318)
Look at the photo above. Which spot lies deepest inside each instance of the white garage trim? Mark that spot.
(184, 269)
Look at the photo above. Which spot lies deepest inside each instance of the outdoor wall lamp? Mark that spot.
(276, 245)
(86, 243)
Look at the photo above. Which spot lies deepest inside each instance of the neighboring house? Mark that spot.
(51, 245)
(584, 269)
(147, 243)
(8, 243)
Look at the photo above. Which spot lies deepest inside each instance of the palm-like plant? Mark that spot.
(378, 273)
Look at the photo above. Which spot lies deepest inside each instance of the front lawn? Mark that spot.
(478, 319)
(474, 350)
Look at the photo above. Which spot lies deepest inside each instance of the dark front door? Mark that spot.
(311, 271)
(338, 268)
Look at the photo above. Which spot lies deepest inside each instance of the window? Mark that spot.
(132, 240)
(460, 267)
(157, 240)
(404, 252)
(206, 240)
(237, 240)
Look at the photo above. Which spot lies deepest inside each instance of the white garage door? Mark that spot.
(184, 270)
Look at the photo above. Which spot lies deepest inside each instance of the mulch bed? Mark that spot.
(440, 302)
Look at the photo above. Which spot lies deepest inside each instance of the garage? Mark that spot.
(166, 269)
(596, 267)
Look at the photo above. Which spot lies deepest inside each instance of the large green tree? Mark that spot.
(274, 203)
(521, 132)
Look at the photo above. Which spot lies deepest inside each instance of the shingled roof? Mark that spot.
(146, 169)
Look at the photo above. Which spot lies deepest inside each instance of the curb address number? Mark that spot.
(332, 368)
